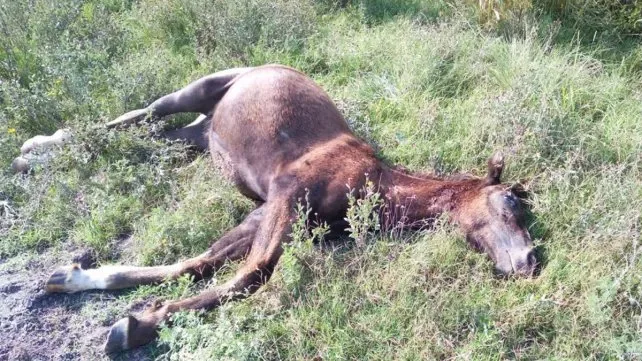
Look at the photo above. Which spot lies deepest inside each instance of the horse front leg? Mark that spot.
(234, 245)
(132, 331)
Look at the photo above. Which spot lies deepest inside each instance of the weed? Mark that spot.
(363, 214)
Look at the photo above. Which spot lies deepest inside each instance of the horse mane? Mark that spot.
(431, 176)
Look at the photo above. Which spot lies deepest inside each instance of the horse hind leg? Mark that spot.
(200, 96)
(43, 143)
(194, 133)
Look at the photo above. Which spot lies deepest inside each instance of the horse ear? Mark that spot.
(495, 168)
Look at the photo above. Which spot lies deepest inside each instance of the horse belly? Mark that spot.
(235, 172)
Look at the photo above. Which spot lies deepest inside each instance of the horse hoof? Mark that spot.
(65, 279)
(118, 338)
(20, 165)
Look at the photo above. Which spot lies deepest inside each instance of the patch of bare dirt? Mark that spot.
(39, 326)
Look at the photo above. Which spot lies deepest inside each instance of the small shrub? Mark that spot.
(299, 253)
(363, 214)
(620, 18)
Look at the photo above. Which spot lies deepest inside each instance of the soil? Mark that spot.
(39, 326)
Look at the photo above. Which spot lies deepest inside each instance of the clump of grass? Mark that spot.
(46, 213)
(191, 337)
(201, 208)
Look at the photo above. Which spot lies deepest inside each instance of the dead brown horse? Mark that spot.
(282, 136)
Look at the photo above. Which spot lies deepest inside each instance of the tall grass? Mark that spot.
(433, 85)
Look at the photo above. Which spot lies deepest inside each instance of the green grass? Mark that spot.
(433, 85)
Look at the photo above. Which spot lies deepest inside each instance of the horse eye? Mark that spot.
(510, 200)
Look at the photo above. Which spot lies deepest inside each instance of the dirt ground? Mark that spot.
(39, 326)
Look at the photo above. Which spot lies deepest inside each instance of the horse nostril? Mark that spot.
(527, 264)
(530, 259)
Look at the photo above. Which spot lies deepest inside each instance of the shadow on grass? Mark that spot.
(538, 231)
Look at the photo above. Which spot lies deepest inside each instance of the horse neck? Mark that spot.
(414, 199)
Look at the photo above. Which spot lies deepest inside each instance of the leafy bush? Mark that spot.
(610, 18)
(618, 17)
